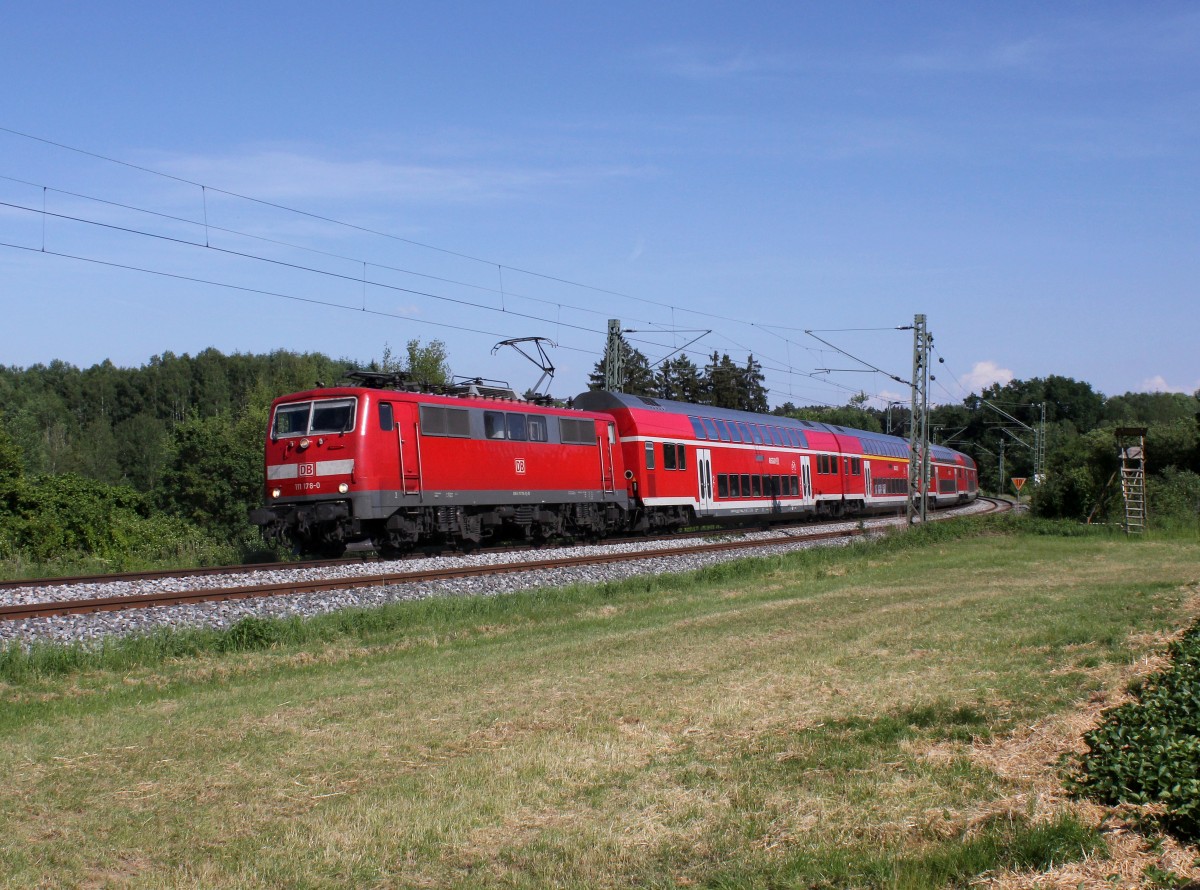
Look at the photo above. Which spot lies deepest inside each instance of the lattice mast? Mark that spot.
(614, 358)
(918, 434)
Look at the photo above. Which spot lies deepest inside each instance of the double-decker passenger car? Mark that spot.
(725, 464)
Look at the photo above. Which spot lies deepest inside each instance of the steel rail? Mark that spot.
(221, 594)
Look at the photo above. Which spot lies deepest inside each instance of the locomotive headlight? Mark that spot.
(343, 488)
(304, 443)
(276, 492)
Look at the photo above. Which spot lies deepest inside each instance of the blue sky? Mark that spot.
(1025, 174)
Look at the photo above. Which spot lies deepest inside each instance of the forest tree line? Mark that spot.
(164, 461)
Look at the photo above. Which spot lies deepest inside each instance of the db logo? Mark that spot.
(520, 465)
(308, 469)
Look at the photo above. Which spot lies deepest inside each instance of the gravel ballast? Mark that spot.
(93, 627)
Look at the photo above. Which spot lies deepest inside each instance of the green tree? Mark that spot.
(213, 472)
(722, 382)
(428, 364)
(752, 393)
(678, 378)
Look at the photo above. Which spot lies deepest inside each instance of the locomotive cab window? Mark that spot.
(308, 418)
(387, 421)
(332, 416)
(536, 427)
(291, 420)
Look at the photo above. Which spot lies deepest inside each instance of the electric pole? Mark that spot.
(918, 433)
(614, 358)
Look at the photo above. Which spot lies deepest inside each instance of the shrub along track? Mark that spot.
(81, 606)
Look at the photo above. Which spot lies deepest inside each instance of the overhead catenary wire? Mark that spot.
(766, 362)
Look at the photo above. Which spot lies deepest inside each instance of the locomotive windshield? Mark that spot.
(309, 418)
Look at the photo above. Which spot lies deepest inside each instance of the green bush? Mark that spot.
(1147, 752)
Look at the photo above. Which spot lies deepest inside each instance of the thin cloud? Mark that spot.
(285, 175)
(1158, 383)
(984, 374)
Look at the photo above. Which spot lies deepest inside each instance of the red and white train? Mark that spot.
(397, 469)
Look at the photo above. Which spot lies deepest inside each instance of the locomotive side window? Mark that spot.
(536, 427)
(576, 432)
(386, 420)
(698, 427)
(291, 420)
(516, 427)
(493, 425)
(439, 421)
(649, 455)
(333, 416)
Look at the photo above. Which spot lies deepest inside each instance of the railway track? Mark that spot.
(22, 611)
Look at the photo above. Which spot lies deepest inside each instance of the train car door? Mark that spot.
(606, 437)
(868, 491)
(704, 471)
(409, 446)
(805, 479)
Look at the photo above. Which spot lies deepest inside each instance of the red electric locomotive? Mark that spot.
(396, 469)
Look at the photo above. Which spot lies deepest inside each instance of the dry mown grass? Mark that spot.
(727, 728)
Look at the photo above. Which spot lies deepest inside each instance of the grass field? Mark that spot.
(812, 720)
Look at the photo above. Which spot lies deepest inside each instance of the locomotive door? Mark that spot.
(805, 479)
(704, 471)
(409, 447)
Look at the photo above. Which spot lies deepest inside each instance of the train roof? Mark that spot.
(877, 443)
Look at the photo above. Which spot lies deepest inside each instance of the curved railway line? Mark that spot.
(17, 611)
